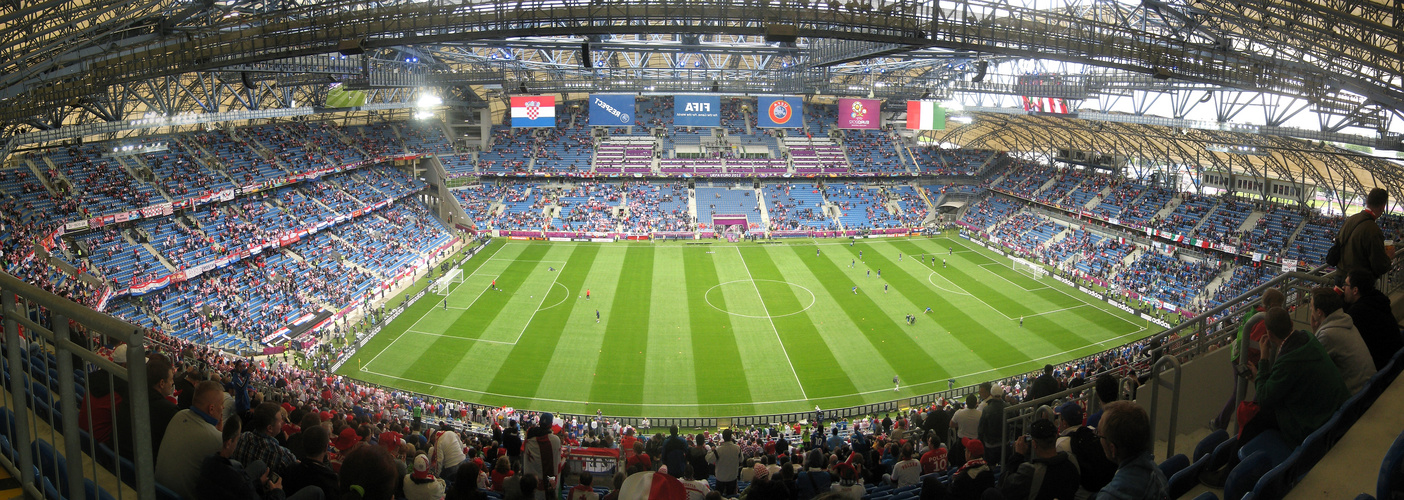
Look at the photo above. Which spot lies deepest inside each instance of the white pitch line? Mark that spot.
(460, 338)
(554, 277)
(772, 322)
(1060, 290)
(782, 401)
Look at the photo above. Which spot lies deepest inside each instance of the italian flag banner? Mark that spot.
(925, 115)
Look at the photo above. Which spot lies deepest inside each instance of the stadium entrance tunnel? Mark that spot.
(760, 298)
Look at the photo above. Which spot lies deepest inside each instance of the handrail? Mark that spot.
(1156, 383)
(47, 319)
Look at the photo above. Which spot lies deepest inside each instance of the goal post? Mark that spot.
(1032, 269)
(441, 286)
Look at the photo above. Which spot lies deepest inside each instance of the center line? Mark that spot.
(772, 322)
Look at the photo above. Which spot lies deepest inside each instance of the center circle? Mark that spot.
(742, 291)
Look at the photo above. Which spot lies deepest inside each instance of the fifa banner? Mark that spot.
(925, 115)
(611, 110)
(697, 111)
(533, 111)
(859, 113)
(780, 112)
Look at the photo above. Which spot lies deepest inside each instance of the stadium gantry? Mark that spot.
(238, 175)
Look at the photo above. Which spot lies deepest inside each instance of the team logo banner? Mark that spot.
(697, 110)
(611, 110)
(859, 113)
(780, 112)
(534, 111)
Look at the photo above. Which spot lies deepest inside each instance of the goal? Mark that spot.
(1032, 269)
(442, 285)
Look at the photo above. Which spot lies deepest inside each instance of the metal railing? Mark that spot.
(49, 360)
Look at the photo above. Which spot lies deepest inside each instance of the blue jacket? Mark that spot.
(1136, 479)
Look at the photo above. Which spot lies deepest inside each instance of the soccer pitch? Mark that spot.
(732, 329)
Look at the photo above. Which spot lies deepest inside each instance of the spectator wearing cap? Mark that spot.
(848, 486)
(345, 441)
(313, 469)
(972, 479)
(992, 423)
(192, 435)
(261, 444)
(421, 484)
(1126, 436)
(1047, 471)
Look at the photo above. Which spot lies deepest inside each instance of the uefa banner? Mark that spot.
(859, 113)
(780, 112)
(697, 111)
(533, 111)
(611, 110)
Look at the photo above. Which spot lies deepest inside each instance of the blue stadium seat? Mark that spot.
(1186, 479)
(51, 464)
(1244, 476)
(1208, 495)
(93, 492)
(1206, 445)
(1221, 455)
(1270, 442)
(1391, 482)
(1174, 464)
(164, 493)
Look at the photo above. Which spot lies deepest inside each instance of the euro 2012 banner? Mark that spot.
(780, 112)
(859, 113)
(533, 111)
(611, 110)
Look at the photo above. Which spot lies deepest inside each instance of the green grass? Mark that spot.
(723, 330)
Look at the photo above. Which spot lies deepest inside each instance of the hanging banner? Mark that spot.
(780, 112)
(611, 110)
(925, 115)
(533, 111)
(697, 111)
(859, 113)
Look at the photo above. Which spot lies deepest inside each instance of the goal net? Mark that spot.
(442, 285)
(1031, 269)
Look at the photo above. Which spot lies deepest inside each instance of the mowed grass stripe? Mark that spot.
(1047, 329)
(510, 282)
(814, 363)
(972, 333)
(434, 364)
(1089, 322)
(619, 375)
(720, 375)
(413, 313)
(907, 358)
(856, 357)
(528, 361)
(670, 373)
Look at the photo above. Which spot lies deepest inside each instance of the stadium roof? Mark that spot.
(1276, 65)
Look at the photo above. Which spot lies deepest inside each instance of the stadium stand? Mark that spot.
(795, 206)
(731, 200)
(656, 207)
(872, 151)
